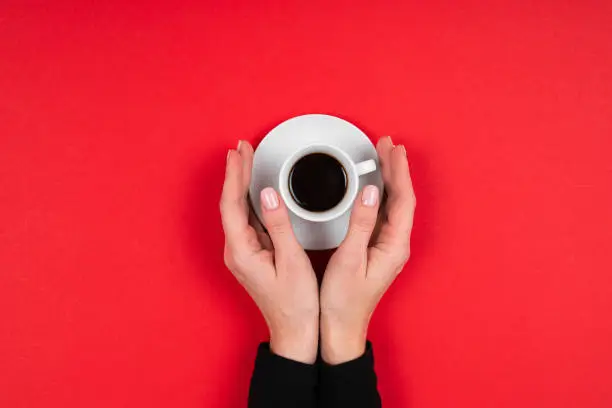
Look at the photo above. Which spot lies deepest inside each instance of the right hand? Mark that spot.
(367, 261)
(272, 266)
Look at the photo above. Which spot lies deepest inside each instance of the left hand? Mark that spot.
(272, 266)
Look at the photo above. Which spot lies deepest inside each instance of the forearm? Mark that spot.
(341, 340)
(297, 340)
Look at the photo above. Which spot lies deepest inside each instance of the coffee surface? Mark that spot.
(317, 182)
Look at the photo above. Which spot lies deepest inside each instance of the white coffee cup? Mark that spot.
(353, 171)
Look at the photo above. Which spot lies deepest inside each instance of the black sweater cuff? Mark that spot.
(280, 382)
(350, 384)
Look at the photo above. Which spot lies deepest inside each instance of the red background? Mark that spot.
(114, 125)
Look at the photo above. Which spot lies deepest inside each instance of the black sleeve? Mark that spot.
(279, 382)
(351, 384)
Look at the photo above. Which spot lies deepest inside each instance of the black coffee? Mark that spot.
(317, 182)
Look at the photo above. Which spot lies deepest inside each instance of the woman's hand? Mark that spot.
(367, 261)
(272, 267)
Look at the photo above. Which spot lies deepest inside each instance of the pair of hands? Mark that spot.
(278, 275)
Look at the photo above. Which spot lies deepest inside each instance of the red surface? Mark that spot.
(114, 125)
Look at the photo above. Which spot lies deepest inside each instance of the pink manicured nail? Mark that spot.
(402, 148)
(369, 198)
(228, 155)
(269, 198)
(239, 143)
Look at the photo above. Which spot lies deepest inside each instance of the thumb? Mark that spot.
(276, 220)
(363, 219)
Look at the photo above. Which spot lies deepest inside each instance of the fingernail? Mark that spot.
(369, 198)
(228, 155)
(402, 148)
(269, 198)
(239, 143)
(391, 140)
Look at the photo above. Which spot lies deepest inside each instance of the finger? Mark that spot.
(363, 220)
(246, 153)
(394, 236)
(234, 209)
(276, 220)
(400, 175)
(398, 184)
(384, 147)
(380, 220)
(402, 200)
(262, 235)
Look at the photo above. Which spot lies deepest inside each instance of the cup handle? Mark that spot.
(365, 167)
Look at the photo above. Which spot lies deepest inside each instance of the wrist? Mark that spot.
(342, 342)
(296, 343)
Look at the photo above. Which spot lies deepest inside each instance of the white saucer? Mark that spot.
(297, 133)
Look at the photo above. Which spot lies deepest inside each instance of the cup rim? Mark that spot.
(340, 208)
